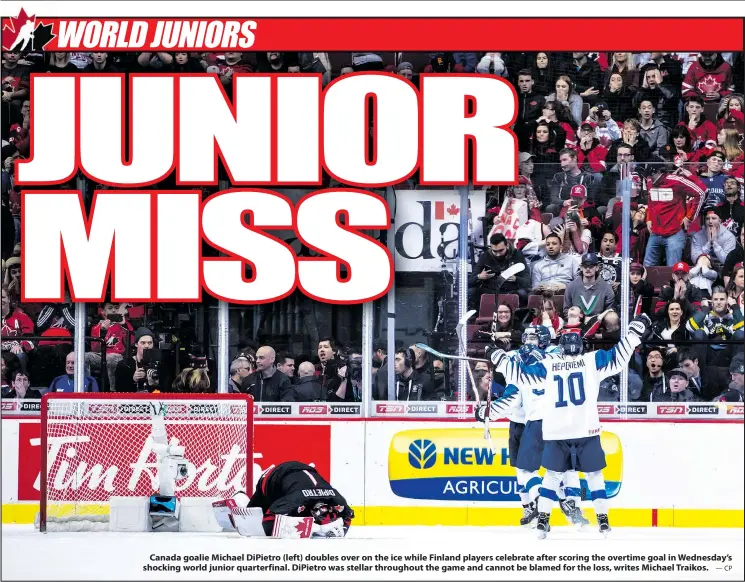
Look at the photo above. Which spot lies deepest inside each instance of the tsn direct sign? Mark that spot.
(131, 470)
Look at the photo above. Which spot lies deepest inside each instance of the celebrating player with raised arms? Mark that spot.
(524, 375)
(571, 426)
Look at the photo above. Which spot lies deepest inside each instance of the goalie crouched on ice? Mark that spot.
(291, 500)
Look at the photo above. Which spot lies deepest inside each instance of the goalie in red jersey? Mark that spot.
(294, 500)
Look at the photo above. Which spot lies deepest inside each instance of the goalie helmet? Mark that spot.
(571, 344)
(323, 513)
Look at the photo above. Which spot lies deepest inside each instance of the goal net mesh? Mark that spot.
(95, 447)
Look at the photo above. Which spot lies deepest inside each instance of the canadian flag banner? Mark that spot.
(427, 227)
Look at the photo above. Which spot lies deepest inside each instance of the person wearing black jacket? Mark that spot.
(529, 109)
(267, 384)
(307, 388)
(735, 256)
(486, 278)
(135, 375)
(410, 384)
(328, 365)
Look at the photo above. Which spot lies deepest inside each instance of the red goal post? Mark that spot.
(95, 446)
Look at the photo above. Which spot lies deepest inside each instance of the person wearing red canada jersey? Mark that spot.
(15, 323)
(114, 329)
(709, 78)
(668, 216)
(703, 131)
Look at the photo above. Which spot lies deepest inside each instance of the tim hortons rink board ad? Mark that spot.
(248, 101)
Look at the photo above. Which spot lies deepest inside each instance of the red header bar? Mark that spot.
(380, 34)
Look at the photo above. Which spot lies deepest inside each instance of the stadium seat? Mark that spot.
(659, 276)
(488, 303)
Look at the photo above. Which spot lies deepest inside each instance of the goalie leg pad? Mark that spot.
(248, 521)
(129, 514)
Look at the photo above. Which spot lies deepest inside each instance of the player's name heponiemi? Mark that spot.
(456, 410)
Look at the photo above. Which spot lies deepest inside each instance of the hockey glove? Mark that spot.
(640, 325)
(489, 350)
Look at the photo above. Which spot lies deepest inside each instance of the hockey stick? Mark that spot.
(442, 356)
(459, 329)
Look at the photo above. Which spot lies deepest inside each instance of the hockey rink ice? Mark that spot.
(28, 554)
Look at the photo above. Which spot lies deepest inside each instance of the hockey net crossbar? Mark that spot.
(98, 446)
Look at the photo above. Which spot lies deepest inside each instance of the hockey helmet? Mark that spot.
(537, 335)
(323, 513)
(571, 343)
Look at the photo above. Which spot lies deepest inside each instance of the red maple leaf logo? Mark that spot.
(453, 210)
(13, 26)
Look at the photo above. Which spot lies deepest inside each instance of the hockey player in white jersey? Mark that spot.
(518, 403)
(571, 426)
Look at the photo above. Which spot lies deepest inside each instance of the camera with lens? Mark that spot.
(150, 363)
(354, 368)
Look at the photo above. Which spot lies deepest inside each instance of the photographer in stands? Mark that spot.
(143, 372)
(350, 376)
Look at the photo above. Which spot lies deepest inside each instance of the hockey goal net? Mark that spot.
(98, 446)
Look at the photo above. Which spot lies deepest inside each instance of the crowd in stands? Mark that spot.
(667, 127)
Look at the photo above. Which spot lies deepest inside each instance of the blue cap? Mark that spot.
(589, 259)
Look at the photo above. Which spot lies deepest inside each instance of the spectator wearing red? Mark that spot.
(15, 89)
(680, 289)
(652, 129)
(590, 153)
(709, 78)
(565, 94)
(562, 125)
(56, 320)
(588, 215)
(117, 334)
(732, 113)
(547, 315)
(15, 324)
(713, 240)
(728, 142)
(668, 217)
(703, 132)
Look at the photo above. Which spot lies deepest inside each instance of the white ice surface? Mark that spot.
(28, 554)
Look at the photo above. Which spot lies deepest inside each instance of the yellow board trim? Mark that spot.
(24, 513)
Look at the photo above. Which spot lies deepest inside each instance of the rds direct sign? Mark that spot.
(458, 465)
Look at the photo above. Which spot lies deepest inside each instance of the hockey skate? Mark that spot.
(530, 515)
(543, 527)
(603, 524)
(574, 514)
